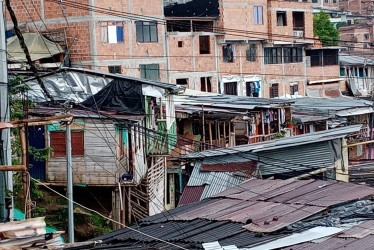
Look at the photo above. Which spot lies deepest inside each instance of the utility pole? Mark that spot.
(4, 117)
(69, 183)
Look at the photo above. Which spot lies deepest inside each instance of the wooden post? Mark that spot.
(25, 175)
(230, 133)
(218, 126)
(224, 134)
(263, 125)
(210, 135)
(203, 121)
(279, 125)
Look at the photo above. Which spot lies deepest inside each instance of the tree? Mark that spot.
(325, 30)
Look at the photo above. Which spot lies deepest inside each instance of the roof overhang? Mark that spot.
(326, 81)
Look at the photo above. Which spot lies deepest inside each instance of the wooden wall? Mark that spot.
(98, 165)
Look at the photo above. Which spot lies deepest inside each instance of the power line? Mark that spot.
(105, 217)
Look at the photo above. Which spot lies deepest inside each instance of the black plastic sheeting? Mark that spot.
(193, 8)
(355, 212)
(119, 95)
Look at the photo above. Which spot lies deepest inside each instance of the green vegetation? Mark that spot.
(325, 30)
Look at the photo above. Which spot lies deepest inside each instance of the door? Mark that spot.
(36, 140)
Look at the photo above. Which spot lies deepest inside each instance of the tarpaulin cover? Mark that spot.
(39, 47)
(119, 95)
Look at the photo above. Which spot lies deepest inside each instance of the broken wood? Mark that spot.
(13, 168)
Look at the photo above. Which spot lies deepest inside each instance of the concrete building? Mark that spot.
(110, 36)
(256, 49)
(244, 48)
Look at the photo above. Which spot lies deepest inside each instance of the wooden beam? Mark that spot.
(31, 124)
(42, 119)
(358, 143)
(13, 168)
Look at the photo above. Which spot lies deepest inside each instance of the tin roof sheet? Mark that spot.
(191, 194)
(360, 231)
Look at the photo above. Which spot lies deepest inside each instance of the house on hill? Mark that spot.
(122, 132)
(250, 216)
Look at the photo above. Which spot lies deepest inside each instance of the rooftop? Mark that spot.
(252, 213)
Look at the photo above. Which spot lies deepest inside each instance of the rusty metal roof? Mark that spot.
(253, 213)
(269, 205)
(191, 194)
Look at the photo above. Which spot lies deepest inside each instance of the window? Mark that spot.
(111, 32)
(274, 90)
(252, 89)
(257, 14)
(251, 53)
(58, 143)
(204, 44)
(366, 36)
(114, 69)
(314, 1)
(273, 55)
(146, 32)
(149, 72)
(206, 84)
(323, 57)
(334, 1)
(294, 89)
(281, 18)
(293, 54)
(298, 20)
(228, 51)
(231, 88)
(326, 1)
(180, 44)
(342, 71)
(183, 81)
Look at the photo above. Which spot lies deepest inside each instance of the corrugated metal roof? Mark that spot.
(287, 142)
(328, 106)
(231, 216)
(273, 204)
(364, 229)
(350, 60)
(191, 194)
(358, 237)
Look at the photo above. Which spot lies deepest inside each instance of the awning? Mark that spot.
(38, 46)
(326, 81)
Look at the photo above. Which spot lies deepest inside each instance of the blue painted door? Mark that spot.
(37, 140)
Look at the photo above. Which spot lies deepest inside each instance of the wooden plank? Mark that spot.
(13, 168)
(50, 118)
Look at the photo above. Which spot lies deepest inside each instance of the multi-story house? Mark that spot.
(116, 36)
(259, 49)
(240, 48)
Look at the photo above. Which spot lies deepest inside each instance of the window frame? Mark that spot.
(77, 150)
(228, 53)
(115, 69)
(105, 34)
(146, 67)
(251, 53)
(295, 54)
(294, 88)
(258, 17)
(204, 45)
(274, 88)
(144, 31)
(273, 55)
(284, 14)
(206, 84)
